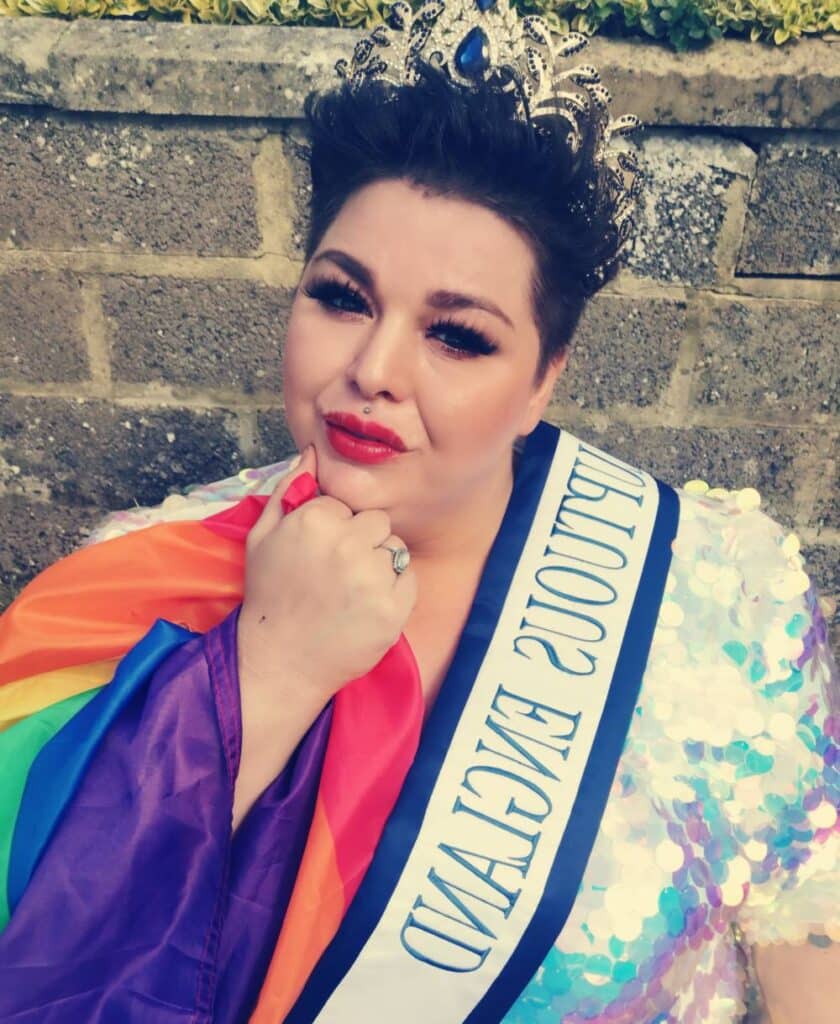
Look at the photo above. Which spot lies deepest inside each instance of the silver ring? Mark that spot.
(400, 558)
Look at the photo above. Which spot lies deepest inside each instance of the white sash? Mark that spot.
(484, 852)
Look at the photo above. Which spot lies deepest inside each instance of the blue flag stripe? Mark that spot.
(60, 764)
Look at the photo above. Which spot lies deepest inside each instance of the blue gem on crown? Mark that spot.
(472, 58)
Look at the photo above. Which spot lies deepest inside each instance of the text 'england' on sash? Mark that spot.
(543, 685)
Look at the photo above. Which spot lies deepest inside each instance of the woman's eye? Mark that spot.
(462, 341)
(334, 295)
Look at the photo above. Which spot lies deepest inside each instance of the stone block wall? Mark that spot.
(151, 217)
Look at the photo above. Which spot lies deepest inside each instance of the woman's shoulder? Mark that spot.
(740, 662)
(739, 606)
(729, 554)
(196, 501)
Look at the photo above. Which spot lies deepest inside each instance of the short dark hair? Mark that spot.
(466, 142)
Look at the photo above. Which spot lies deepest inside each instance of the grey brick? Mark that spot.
(733, 457)
(624, 352)
(220, 333)
(823, 564)
(35, 534)
(771, 356)
(274, 442)
(681, 213)
(826, 511)
(89, 453)
(41, 335)
(793, 212)
(121, 185)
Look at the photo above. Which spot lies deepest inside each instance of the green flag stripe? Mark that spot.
(20, 744)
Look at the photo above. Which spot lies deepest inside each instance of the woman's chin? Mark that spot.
(352, 483)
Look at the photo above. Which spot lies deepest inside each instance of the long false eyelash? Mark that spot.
(477, 344)
(328, 289)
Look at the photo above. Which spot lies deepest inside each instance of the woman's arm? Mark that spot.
(800, 984)
(322, 606)
(276, 715)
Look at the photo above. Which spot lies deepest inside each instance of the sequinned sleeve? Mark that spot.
(782, 774)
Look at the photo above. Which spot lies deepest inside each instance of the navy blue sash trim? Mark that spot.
(404, 823)
(588, 809)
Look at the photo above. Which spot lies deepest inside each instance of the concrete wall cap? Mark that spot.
(265, 71)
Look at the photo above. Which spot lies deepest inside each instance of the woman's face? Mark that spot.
(419, 307)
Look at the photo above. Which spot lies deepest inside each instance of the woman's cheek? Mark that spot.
(478, 414)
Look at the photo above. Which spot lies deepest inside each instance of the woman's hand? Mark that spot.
(322, 603)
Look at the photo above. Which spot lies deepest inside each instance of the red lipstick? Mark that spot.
(361, 440)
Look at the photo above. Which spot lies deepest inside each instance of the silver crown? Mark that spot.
(486, 41)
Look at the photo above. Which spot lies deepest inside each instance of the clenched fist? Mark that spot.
(322, 602)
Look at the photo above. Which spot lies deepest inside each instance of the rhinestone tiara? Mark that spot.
(475, 41)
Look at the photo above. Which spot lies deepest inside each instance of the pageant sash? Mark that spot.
(441, 906)
(481, 860)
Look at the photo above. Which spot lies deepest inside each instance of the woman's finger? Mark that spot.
(371, 527)
(289, 493)
(389, 545)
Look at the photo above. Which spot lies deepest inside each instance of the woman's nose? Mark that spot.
(382, 362)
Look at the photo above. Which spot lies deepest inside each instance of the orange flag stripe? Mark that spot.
(98, 602)
(312, 919)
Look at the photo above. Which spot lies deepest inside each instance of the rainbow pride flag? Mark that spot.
(78, 647)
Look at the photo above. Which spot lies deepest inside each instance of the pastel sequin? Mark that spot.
(722, 826)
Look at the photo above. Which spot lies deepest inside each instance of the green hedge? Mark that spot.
(682, 23)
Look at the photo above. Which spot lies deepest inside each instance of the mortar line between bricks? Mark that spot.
(277, 268)
(628, 287)
(731, 236)
(651, 417)
(647, 288)
(705, 416)
(677, 401)
(785, 289)
(825, 537)
(86, 392)
(273, 188)
(820, 295)
(269, 268)
(231, 404)
(95, 332)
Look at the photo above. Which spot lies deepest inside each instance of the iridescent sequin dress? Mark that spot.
(722, 826)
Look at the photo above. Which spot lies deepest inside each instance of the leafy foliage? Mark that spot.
(684, 24)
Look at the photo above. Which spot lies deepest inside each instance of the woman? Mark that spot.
(573, 762)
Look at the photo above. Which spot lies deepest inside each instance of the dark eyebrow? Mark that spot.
(440, 299)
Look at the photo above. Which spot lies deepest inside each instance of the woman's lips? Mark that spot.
(359, 440)
(367, 430)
